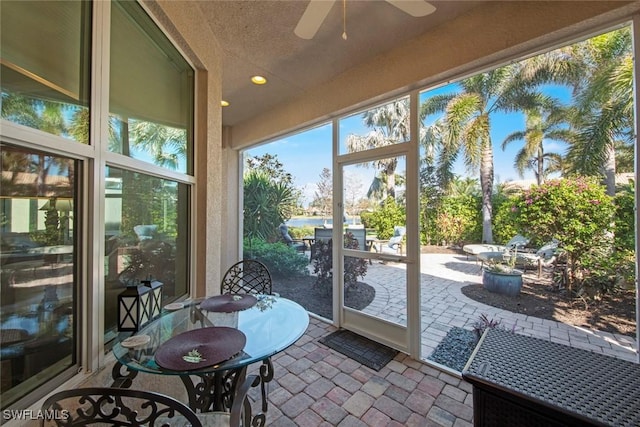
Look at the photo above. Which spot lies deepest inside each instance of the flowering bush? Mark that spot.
(577, 212)
(505, 219)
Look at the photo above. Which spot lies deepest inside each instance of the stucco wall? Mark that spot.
(184, 24)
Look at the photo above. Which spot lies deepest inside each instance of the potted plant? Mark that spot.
(500, 275)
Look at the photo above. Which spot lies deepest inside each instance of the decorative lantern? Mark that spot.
(156, 297)
(134, 308)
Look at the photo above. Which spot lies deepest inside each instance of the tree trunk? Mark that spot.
(486, 183)
(610, 170)
(390, 172)
(540, 173)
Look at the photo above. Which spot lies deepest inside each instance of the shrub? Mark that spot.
(280, 259)
(505, 221)
(323, 263)
(577, 212)
(353, 267)
(625, 235)
(365, 219)
(300, 232)
(457, 219)
(603, 271)
(383, 219)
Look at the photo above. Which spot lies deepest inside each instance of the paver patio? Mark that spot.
(443, 306)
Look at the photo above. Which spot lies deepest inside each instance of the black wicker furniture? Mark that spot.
(524, 381)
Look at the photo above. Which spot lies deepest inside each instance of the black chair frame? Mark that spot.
(247, 277)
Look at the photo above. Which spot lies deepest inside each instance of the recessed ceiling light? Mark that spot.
(259, 80)
(224, 103)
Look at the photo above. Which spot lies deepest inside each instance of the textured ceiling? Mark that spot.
(257, 38)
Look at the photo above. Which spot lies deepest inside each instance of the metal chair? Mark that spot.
(251, 277)
(127, 407)
(246, 277)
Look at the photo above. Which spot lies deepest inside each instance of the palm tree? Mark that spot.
(605, 122)
(464, 187)
(44, 115)
(466, 125)
(166, 144)
(540, 126)
(390, 125)
(600, 70)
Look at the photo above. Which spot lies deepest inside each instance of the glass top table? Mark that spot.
(270, 326)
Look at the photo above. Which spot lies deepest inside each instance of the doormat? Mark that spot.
(370, 353)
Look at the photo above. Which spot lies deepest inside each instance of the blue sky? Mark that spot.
(305, 154)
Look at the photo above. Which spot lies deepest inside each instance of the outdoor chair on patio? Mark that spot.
(247, 277)
(360, 234)
(298, 245)
(394, 244)
(320, 235)
(127, 407)
(517, 242)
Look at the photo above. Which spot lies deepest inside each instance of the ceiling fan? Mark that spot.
(317, 11)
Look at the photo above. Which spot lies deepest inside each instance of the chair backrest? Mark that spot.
(324, 234)
(115, 406)
(517, 242)
(284, 234)
(398, 233)
(548, 250)
(246, 277)
(360, 234)
(145, 231)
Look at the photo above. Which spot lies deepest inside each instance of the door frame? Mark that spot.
(405, 339)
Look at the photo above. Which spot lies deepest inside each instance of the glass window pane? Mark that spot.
(151, 92)
(39, 272)
(146, 226)
(387, 124)
(45, 66)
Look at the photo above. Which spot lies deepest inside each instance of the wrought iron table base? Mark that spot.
(214, 392)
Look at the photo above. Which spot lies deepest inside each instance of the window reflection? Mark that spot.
(48, 91)
(145, 235)
(38, 276)
(151, 92)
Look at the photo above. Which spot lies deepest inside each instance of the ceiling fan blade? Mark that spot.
(312, 18)
(414, 7)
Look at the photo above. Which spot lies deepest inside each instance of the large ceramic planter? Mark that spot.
(502, 282)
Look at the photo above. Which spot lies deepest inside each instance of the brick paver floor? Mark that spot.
(316, 386)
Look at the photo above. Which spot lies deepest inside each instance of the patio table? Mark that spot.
(523, 381)
(270, 326)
